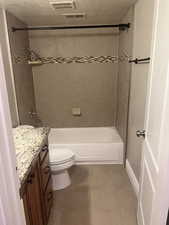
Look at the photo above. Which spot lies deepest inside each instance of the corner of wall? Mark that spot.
(9, 71)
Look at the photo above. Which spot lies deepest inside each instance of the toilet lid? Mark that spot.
(60, 156)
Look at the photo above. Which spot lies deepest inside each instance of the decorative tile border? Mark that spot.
(32, 56)
(80, 59)
(68, 60)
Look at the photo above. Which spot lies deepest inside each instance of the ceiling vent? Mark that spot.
(67, 4)
(74, 15)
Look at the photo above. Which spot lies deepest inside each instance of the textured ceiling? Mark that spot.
(40, 12)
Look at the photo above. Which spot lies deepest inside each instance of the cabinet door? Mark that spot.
(48, 198)
(46, 187)
(26, 209)
(34, 198)
(45, 173)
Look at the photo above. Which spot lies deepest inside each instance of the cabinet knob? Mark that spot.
(45, 148)
(32, 175)
(30, 179)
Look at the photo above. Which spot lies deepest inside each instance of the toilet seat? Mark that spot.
(60, 156)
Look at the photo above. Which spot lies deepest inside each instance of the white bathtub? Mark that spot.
(95, 145)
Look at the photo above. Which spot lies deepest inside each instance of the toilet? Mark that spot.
(60, 161)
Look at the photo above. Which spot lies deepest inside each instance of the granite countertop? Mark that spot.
(28, 143)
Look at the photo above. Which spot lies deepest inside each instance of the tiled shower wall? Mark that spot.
(8, 70)
(22, 72)
(100, 90)
(61, 87)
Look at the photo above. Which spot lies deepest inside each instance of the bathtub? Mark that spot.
(95, 145)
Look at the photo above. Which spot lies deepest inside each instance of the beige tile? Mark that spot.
(73, 198)
(98, 195)
(101, 217)
(80, 175)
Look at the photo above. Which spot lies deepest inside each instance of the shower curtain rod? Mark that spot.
(122, 26)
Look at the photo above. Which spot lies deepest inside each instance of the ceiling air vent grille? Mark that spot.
(74, 15)
(69, 4)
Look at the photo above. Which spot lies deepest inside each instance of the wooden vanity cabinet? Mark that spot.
(46, 183)
(34, 197)
(26, 208)
(37, 192)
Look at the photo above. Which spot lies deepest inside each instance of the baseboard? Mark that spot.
(132, 177)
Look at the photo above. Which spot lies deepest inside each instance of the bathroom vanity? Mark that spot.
(34, 173)
(36, 191)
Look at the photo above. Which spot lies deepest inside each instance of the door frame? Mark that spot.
(11, 211)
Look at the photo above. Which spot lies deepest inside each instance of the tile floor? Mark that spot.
(99, 195)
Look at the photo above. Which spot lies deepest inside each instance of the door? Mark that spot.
(143, 20)
(154, 185)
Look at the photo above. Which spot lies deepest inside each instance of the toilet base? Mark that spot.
(60, 180)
